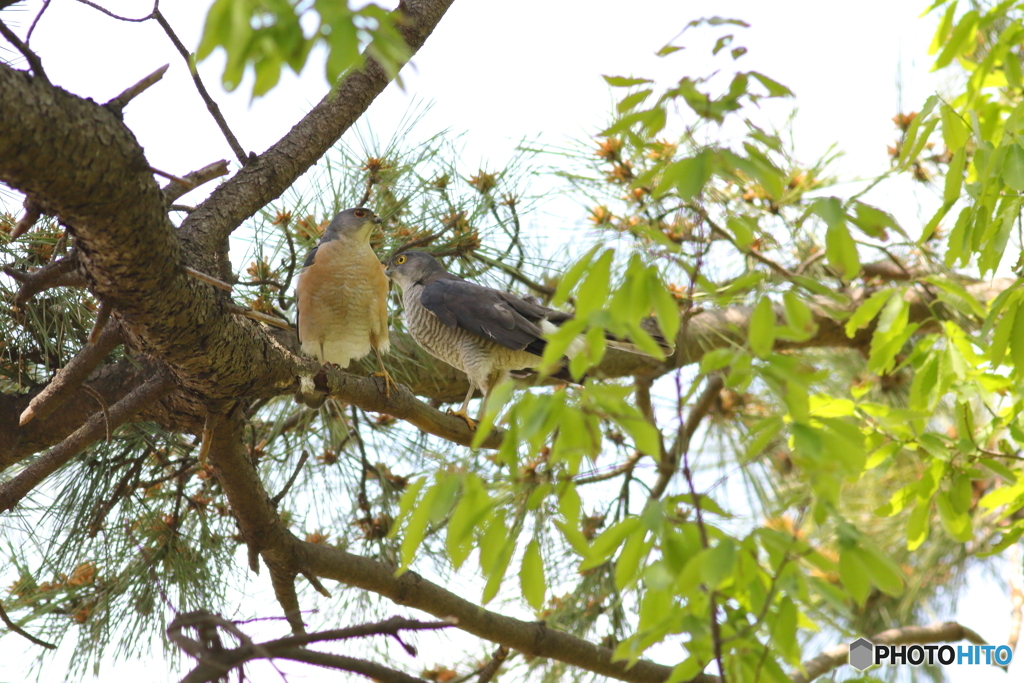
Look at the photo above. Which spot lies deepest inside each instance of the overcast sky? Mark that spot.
(502, 72)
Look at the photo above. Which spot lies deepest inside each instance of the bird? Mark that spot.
(486, 333)
(341, 296)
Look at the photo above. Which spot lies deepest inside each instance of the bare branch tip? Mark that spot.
(26, 416)
(119, 102)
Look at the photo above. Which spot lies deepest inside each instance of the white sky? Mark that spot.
(508, 71)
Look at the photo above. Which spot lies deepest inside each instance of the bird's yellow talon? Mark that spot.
(470, 422)
(389, 381)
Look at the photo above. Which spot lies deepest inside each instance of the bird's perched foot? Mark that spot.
(389, 382)
(470, 422)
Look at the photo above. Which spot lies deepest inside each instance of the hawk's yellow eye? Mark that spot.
(400, 260)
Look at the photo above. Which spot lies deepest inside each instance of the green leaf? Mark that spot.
(605, 545)
(784, 631)
(1017, 343)
(1013, 167)
(954, 130)
(954, 177)
(688, 176)
(866, 312)
(959, 41)
(917, 524)
(841, 251)
(774, 88)
(761, 332)
(957, 524)
(882, 571)
(531, 576)
(572, 277)
(593, 292)
(623, 82)
(627, 566)
(853, 572)
(718, 563)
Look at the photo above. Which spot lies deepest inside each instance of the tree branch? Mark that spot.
(118, 104)
(174, 190)
(16, 488)
(262, 528)
(70, 377)
(22, 632)
(60, 273)
(264, 179)
(670, 461)
(31, 57)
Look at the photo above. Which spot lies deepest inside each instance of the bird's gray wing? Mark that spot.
(488, 313)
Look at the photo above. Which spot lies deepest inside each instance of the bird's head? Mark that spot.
(357, 223)
(412, 267)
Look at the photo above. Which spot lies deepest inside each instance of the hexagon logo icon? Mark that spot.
(861, 654)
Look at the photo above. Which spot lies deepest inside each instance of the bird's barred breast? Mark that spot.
(474, 355)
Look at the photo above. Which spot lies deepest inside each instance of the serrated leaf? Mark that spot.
(687, 176)
(624, 82)
(761, 332)
(866, 312)
(957, 524)
(531, 576)
(627, 566)
(1013, 167)
(882, 571)
(853, 572)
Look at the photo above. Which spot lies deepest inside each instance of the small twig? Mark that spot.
(117, 104)
(488, 672)
(32, 28)
(261, 317)
(418, 242)
(517, 274)
(291, 264)
(670, 462)
(62, 273)
(182, 207)
(17, 487)
(102, 316)
(212, 418)
(388, 627)
(117, 16)
(21, 632)
(193, 180)
(208, 279)
(32, 213)
(291, 480)
(103, 407)
(210, 104)
(626, 466)
(317, 586)
(31, 57)
(172, 177)
(72, 375)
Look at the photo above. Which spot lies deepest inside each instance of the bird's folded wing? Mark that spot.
(486, 313)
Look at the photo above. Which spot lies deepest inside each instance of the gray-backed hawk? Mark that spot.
(484, 332)
(342, 294)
